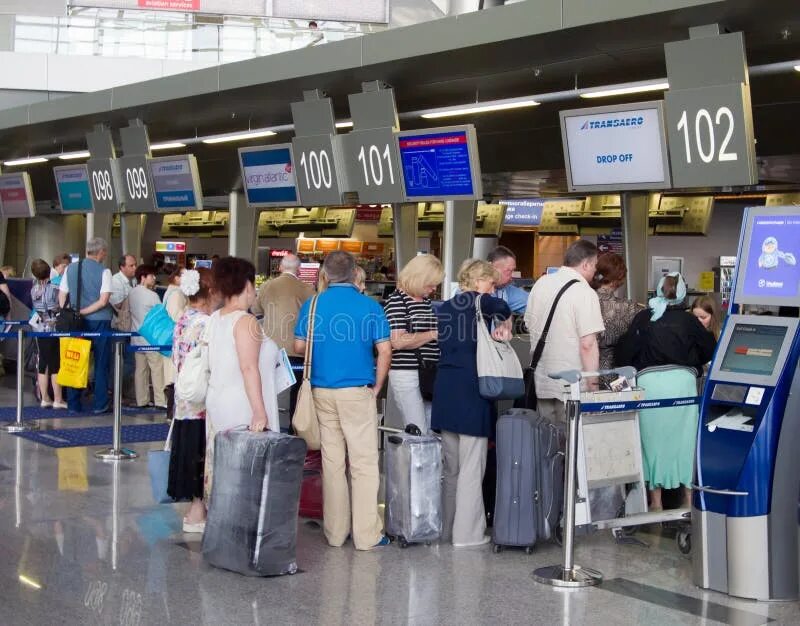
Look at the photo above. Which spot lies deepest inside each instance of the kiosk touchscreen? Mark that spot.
(748, 468)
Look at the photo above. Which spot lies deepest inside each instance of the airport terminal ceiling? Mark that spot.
(510, 141)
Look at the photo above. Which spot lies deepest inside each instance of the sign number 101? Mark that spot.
(705, 137)
(375, 158)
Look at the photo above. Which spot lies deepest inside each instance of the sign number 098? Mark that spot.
(101, 182)
(705, 138)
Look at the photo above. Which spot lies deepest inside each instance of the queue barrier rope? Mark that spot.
(637, 405)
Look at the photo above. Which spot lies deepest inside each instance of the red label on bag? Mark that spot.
(72, 355)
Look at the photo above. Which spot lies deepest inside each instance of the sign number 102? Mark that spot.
(705, 137)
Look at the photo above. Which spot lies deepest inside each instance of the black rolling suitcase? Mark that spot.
(252, 518)
(530, 480)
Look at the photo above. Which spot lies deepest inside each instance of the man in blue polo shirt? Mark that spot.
(348, 327)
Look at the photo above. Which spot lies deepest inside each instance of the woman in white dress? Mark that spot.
(241, 388)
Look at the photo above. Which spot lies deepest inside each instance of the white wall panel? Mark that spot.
(23, 71)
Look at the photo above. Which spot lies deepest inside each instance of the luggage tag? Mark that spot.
(620, 384)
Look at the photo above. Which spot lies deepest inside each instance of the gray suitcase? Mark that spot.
(413, 488)
(530, 479)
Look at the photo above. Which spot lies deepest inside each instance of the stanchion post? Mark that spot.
(19, 425)
(117, 452)
(568, 574)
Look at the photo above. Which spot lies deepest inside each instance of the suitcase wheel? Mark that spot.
(403, 543)
(497, 549)
(684, 539)
(528, 549)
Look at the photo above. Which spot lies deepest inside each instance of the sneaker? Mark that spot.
(486, 539)
(45, 404)
(197, 527)
(59, 405)
(385, 541)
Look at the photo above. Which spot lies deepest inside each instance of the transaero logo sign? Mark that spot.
(612, 123)
(268, 176)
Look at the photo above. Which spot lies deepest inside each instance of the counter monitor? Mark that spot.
(74, 190)
(176, 182)
(16, 195)
(268, 175)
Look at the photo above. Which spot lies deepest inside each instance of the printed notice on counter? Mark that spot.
(437, 165)
(623, 147)
(772, 266)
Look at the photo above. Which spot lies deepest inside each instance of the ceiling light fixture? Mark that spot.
(167, 145)
(344, 124)
(624, 91)
(251, 134)
(797, 68)
(479, 108)
(27, 161)
(69, 156)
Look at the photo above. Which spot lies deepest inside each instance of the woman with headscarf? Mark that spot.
(664, 336)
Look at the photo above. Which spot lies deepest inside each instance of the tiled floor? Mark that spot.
(82, 543)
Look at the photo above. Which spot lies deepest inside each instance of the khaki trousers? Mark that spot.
(464, 516)
(348, 426)
(149, 365)
(552, 409)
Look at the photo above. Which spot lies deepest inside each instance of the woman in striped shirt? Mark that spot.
(414, 336)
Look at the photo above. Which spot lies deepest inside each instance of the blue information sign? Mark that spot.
(176, 183)
(268, 175)
(74, 193)
(523, 211)
(440, 164)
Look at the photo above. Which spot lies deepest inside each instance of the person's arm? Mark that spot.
(301, 329)
(4, 288)
(590, 358)
(399, 323)
(517, 299)
(384, 349)
(98, 304)
(247, 337)
(117, 292)
(404, 340)
(63, 291)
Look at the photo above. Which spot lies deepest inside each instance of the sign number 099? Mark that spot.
(705, 137)
(317, 168)
(137, 183)
(101, 183)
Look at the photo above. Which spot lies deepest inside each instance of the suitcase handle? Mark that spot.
(394, 439)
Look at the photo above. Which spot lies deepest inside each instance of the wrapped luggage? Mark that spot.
(413, 488)
(530, 479)
(252, 517)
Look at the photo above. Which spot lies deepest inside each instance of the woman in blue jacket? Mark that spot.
(464, 418)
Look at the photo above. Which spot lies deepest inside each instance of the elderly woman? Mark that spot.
(187, 457)
(463, 416)
(618, 313)
(414, 335)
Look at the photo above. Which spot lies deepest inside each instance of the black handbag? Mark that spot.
(529, 401)
(427, 369)
(69, 318)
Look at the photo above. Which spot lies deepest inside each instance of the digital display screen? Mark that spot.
(437, 165)
(523, 211)
(268, 175)
(74, 192)
(615, 146)
(753, 349)
(206, 263)
(174, 183)
(16, 197)
(773, 258)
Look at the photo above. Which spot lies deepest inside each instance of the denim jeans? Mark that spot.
(101, 347)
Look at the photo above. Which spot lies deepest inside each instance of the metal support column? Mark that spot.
(242, 228)
(99, 225)
(116, 452)
(19, 425)
(635, 228)
(405, 233)
(459, 232)
(131, 233)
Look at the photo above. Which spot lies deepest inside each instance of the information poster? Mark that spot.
(523, 211)
(176, 183)
(439, 165)
(16, 197)
(773, 267)
(268, 175)
(74, 193)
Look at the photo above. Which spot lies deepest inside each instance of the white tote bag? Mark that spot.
(499, 369)
(191, 383)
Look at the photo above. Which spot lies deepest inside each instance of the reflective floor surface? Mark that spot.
(81, 542)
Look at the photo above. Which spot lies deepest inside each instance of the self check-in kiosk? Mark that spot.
(748, 452)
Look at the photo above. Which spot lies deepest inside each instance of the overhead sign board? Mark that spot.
(268, 175)
(373, 167)
(74, 190)
(16, 195)
(440, 164)
(137, 187)
(317, 166)
(176, 183)
(523, 211)
(615, 147)
(104, 184)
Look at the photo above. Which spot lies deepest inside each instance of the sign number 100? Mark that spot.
(705, 138)
(375, 159)
(317, 168)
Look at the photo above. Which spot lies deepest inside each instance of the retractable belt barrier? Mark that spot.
(637, 405)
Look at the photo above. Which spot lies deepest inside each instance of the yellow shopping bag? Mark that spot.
(74, 370)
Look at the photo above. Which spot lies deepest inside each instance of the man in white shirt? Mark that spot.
(122, 282)
(572, 338)
(149, 365)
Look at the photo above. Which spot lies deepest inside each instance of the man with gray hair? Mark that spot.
(95, 293)
(347, 327)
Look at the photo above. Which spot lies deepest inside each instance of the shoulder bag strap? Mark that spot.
(312, 311)
(410, 329)
(80, 286)
(537, 353)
